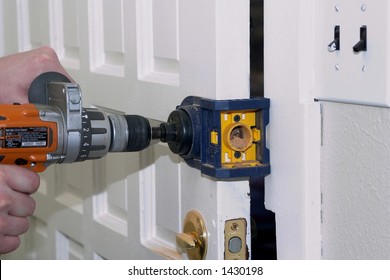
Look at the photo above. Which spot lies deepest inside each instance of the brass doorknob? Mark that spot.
(193, 239)
(186, 240)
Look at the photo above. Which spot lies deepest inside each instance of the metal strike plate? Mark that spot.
(235, 240)
(193, 239)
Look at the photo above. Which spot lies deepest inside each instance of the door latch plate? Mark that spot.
(235, 240)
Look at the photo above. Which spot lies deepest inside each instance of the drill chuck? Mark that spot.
(129, 133)
(102, 133)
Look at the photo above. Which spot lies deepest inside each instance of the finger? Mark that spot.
(19, 178)
(22, 205)
(13, 226)
(9, 244)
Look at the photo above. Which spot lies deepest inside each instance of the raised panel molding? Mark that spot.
(110, 204)
(53, 23)
(32, 24)
(69, 193)
(106, 36)
(96, 256)
(160, 201)
(68, 248)
(39, 240)
(158, 41)
(65, 30)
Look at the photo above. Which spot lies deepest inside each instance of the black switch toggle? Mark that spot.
(335, 44)
(361, 46)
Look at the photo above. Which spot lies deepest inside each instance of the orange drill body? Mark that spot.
(25, 139)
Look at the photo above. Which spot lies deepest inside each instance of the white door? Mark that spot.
(136, 57)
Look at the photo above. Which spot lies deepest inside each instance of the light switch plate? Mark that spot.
(346, 76)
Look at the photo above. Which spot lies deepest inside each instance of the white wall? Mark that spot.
(355, 181)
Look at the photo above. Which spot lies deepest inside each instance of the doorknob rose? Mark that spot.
(193, 239)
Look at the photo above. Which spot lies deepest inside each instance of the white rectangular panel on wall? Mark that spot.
(355, 182)
(348, 75)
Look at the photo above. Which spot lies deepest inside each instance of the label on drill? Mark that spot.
(26, 137)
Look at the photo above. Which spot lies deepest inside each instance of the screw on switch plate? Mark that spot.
(361, 46)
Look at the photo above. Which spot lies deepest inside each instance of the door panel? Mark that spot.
(160, 195)
(135, 57)
(65, 31)
(107, 37)
(158, 41)
(32, 28)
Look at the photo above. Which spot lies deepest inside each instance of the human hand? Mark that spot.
(17, 71)
(16, 204)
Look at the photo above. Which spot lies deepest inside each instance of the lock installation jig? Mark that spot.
(222, 138)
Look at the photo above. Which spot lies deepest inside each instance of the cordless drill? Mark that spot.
(55, 128)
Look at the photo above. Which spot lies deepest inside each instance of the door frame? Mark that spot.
(293, 189)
